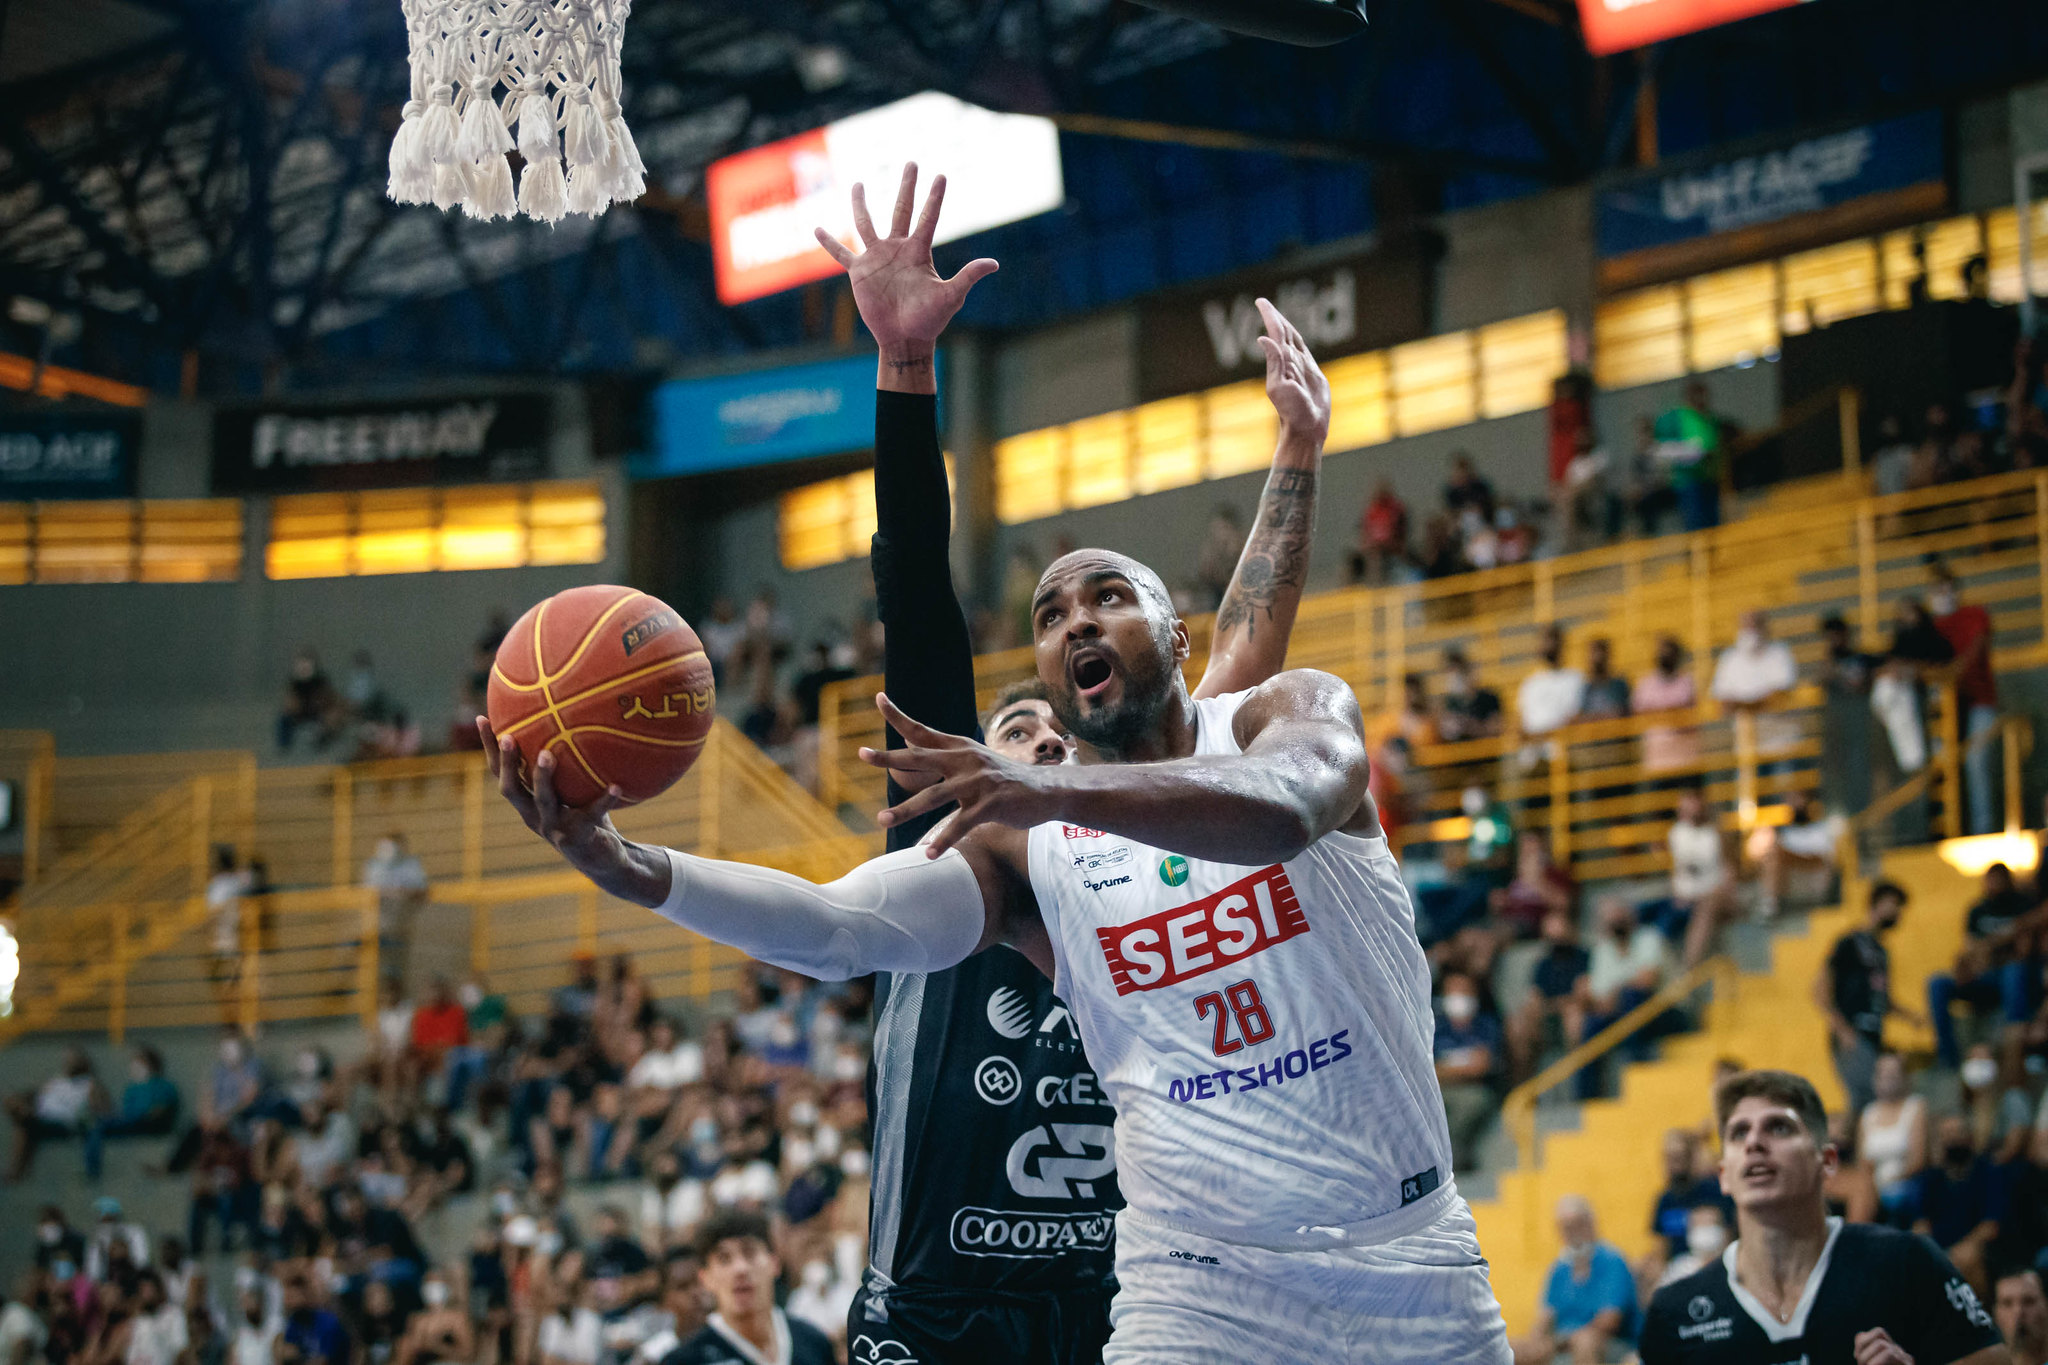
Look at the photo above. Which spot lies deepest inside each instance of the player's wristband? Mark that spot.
(902, 912)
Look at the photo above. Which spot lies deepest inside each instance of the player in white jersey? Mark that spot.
(1210, 890)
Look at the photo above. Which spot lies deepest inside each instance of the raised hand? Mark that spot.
(939, 768)
(900, 295)
(1294, 383)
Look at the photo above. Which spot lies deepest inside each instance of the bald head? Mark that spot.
(1084, 565)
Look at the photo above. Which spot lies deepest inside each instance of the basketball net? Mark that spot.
(558, 63)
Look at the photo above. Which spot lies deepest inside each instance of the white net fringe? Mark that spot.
(557, 62)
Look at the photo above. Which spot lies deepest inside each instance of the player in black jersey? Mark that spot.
(1798, 1287)
(994, 1180)
(746, 1328)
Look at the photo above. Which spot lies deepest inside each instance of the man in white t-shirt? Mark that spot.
(1702, 881)
(60, 1107)
(1629, 962)
(22, 1334)
(670, 1206)
(157, 1332)
(1551, 696)
(1750, 673)
(1810, 844)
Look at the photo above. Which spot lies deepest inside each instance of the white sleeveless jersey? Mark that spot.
(1264, 1032)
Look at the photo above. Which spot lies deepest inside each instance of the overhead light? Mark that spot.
(1974, 854)
(27, 311)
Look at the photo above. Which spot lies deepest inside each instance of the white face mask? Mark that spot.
(1748, 639)
(470, 994)
(1705, 1240)
(386, 850)
(231, 1052)
(803, 1113)
(1473, 802)
(1459, 1009)
(137, 1072)
(1979, 1072)
(847, 1067)
(1943, 602)
(550, 1244)
(854, 1164)
(434, 1293)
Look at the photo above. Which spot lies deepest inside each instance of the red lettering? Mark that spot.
(1082, 832)
(1133, 950)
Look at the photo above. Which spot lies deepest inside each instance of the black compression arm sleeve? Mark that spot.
(928, 660)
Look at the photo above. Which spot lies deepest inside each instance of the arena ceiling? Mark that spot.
(207, 175)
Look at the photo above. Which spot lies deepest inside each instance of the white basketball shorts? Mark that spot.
(1419, 1299)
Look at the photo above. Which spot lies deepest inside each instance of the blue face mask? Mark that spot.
(64, 1270)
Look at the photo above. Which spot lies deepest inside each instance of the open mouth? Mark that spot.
(1091, 671)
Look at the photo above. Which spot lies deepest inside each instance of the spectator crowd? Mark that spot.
(618, 1176)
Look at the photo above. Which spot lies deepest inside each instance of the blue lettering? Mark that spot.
(1341, 1048)
(1179, 1092)
(1223, 1079)
(1205, 1088)
(1270, 1073)
(1289, 1060)
(1247, 1080)
(1317, 1054)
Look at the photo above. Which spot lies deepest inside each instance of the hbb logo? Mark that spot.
(1246, 917)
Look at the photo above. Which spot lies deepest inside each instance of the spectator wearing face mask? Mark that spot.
(1998, 967)
(1853, 990)
(401, 886)
(1753, 672)
(1465, 710)
(1959, 1201)
(441, 1330)
(1702, 879)
(1846, 675)
(1809, 844)
(1468, 1059)
(1999, 1115)
(1706, 1237)
(486, 1016)
(148, 1108)
(1685, 1191)
(312, 1333)
(1550, 698)
(57, 1240)
(1606, 697)
(157, 1332)
(1589, 1297)
(1668, 686)
(1629, 963)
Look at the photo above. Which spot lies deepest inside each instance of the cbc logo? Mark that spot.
(997, 1080)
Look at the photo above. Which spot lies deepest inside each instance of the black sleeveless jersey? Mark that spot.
(994, 1166)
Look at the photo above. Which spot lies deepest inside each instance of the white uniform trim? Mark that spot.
(895, 1048)
(1772, 1328)
(748, 1351)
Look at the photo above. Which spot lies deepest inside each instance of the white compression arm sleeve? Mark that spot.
(902, 912)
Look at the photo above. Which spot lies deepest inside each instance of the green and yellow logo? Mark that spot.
(1173, 869)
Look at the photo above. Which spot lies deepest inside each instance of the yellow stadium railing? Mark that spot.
(1845, 554)
(1718, 975)
(121, 936)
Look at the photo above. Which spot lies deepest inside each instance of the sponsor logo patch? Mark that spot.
(640, 632)
(997, 1080)
(1107, 882)
(1082, 832)
(1418, 1185)
(1287, 1066)
(1173, 869)
(867, 1351)
(1096, 859)
(1009, 1013)
(1061, 1160)
(1219, 930)
(1029, 1236)
(1191, 1256)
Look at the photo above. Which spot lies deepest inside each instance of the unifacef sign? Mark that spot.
(766, 201)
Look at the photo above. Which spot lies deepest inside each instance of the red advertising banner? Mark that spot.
(1617, 25)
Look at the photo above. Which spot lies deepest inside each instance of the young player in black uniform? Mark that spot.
(1798, 1287)
(994, 1179)
(746, 1328)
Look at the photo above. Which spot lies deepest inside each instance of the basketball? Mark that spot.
(612, 680)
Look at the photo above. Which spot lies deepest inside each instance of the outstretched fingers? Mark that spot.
(928, 220)
(906, 198)
(971, 274)
(915, 733)
(916, 804)
(862, 223)
(836, 249)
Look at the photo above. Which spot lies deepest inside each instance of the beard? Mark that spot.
(1132, 717)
